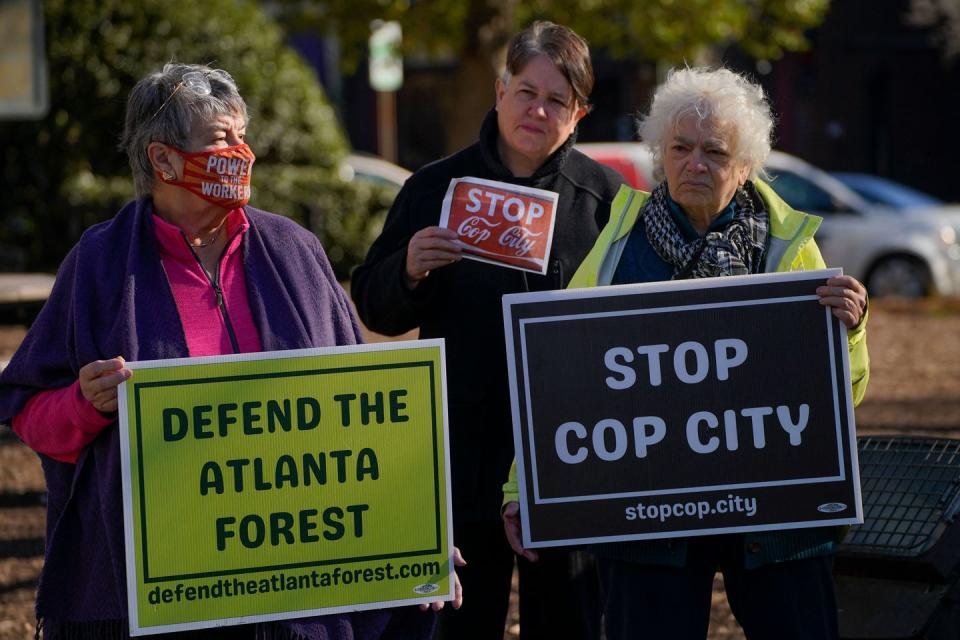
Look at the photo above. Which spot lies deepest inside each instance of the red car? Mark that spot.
(632, 160)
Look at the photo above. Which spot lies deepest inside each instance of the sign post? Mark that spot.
(386, 78)
(684, 408)
(287, 484)
(23, 61)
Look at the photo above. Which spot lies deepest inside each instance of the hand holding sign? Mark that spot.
(99, 381)
(457, 601)
(428, 249)
(847, 299)
(512, 527)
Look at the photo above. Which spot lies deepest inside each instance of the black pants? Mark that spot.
(784, 601)
(559, 594)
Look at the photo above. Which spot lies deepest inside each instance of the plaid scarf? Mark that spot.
(738, 249)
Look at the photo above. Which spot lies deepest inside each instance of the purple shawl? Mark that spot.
(111, 297)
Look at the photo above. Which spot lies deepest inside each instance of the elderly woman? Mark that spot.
(709, 131)
(187, 269)
(413, 276)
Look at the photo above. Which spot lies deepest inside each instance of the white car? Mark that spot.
(877, 190)
(373, 169)
(896, 252)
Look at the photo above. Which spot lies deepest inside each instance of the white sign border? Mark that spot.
(543, 194)
(654, 287)
(127, 488)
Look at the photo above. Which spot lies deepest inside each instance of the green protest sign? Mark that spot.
(279, 485)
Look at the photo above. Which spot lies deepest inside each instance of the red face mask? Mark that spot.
(219, 176)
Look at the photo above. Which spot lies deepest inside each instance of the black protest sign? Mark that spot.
(681, 408)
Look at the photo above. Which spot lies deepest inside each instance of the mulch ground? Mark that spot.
(914, 389)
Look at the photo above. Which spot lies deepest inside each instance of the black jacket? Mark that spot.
(461, 302)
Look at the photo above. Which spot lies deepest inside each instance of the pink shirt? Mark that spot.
(61, 422)
(204, 325)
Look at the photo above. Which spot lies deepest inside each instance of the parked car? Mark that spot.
(877, 190)
(631, 159)
(907, 252)
(376, 170)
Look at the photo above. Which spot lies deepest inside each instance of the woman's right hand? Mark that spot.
(99, 381)
(511, 526)
(429, 248)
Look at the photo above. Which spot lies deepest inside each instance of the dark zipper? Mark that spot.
(215, 283)
(553, 279)
(557, 272)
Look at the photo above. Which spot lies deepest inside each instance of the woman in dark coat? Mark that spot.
(413, 277)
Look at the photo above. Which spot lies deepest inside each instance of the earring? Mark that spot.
(168, 176)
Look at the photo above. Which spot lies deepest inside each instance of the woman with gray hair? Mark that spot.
(711, 216)
(187, 269)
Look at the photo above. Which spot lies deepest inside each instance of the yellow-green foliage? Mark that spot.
(670, 31)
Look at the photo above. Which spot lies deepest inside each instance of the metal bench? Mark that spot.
(22, 295)
(897, 573)
(25, 287)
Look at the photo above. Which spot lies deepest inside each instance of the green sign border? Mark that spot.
(146, 579)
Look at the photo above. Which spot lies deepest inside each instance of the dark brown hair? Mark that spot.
(568, 52)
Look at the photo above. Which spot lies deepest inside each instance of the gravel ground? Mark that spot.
(914, 389)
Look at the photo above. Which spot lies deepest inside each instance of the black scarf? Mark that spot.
(738, 249)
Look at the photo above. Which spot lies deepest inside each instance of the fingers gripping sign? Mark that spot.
(846, 297)
(99, 381)
(512, 529)
(458, 561)
(428, 249)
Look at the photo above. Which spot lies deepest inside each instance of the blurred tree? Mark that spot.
(476, 31)
(65, 172)
(944, 17)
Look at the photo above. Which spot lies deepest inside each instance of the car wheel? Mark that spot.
(900, 276)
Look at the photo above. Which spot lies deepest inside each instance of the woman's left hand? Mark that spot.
(846, 297)
(458, 561)
(99, 381)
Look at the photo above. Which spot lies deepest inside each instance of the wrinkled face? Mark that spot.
(219, 132)
(536, 111)
(702, 173)
(224, 130)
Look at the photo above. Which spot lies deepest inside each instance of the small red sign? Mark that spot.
(502, 223)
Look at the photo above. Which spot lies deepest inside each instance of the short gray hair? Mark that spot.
(728, 98)
(161, 108)
(569, 53)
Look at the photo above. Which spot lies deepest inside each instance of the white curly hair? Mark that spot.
(726, 99)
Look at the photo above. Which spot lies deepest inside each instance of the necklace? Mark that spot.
(210, 240)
